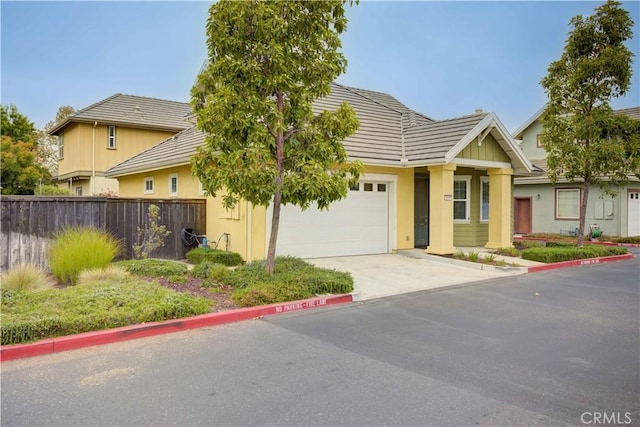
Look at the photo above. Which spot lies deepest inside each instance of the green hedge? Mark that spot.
(560, 244)
(559, 254)
(628, 239)
(198, 255)
(29, 316)
(292, 280)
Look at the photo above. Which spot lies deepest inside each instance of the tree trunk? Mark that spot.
(277, 195)
(273, 238)
(583, 210)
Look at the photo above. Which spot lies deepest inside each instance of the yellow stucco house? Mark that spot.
(434, 184)
(100, 136)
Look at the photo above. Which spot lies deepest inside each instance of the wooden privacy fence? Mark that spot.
(30, 222)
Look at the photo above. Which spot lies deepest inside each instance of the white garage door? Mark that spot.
(356, 225)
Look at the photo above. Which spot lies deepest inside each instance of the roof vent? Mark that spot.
(479, 110)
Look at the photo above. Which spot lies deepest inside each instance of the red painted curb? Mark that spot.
(577, 262)
(88, 339)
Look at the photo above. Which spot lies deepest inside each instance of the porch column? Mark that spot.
(441, 209)
(500, 196)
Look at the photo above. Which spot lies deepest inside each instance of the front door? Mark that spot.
(633, 214)
(522, 211)
(421, 212)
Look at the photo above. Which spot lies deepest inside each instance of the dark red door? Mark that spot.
(523, 215)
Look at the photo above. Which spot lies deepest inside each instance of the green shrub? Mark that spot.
(28, 316)
(51, 190)
(198, 255)
(489, 258)
(153, 267)
(152, 235)
(179, 279)
(510, 252)
(559, 254)
(560, 244)
(113, 274)
(25, 277)
(459, 255)
(526, 244)
(628, 239)
(293, 279)
(210, 270)
(80, 248)
(473, 256)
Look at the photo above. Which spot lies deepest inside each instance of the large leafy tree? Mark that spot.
(47, 145)
(21, 172)
(585, 141)
(268, 62)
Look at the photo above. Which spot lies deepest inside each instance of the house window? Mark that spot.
(567, 203)
(148, 185)
(368, 186)
(355, 187)
(461, 186)
(538, 141)
(61, 146)
(173, 184)
(78, 191)
(382, 188)
(111, 137)
(200, 189)
(484, 199)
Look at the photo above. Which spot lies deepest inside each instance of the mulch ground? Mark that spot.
(220, 295)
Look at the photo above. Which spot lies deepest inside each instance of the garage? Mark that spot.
(356, 225)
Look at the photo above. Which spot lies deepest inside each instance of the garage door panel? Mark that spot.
(357, 225)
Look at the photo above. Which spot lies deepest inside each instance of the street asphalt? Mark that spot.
(554, 348)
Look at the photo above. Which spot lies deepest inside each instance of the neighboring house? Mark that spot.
(426, 183)
(108, 132)
(542, 207)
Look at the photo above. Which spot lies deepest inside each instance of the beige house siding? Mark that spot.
(475, 233)
(489, 150)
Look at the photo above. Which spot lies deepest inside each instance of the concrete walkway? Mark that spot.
(377, 276)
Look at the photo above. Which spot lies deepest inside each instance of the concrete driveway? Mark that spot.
(377, 276)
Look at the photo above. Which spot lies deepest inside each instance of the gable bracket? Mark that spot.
(484, 134)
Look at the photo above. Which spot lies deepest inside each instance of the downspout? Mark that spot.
(249, 227)
(403, 158)
(93, 160)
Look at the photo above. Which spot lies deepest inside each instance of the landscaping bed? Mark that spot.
(149, 290)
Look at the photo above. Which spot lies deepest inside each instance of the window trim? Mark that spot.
(200, 188)
(555, 198)
(467, 200)
(538, 141)
(172, 193)
(144, 185)
(484, 179)
(61, 146)
(111, 139)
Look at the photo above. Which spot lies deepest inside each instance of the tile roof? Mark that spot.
(633, 112)
(389, 134)
(174, 151)
(135, 111)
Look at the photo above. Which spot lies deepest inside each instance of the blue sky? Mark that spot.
(444, 59)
